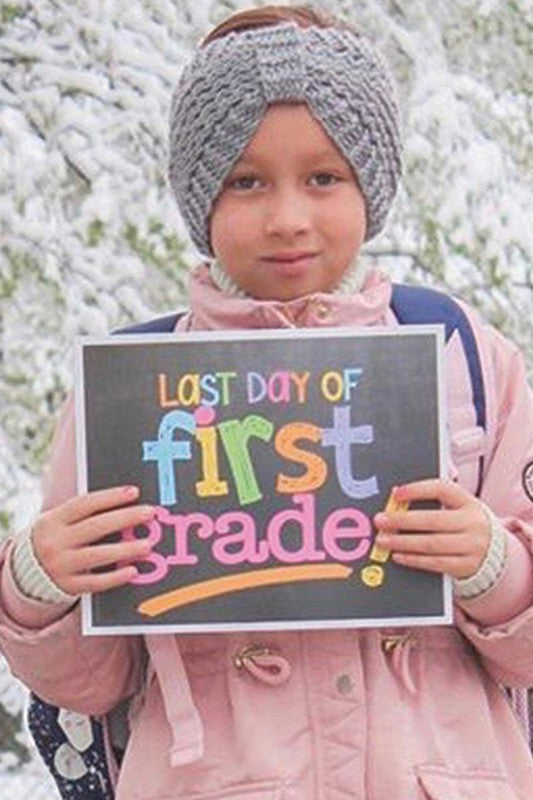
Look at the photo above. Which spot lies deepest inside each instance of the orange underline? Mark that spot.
(236, 583)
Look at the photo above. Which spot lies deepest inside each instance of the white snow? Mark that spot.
(88, 223)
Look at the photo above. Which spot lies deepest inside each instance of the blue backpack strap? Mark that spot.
(418, 305)
(81, 773)
(164, 324)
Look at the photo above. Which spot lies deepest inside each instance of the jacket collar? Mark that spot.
(213, 309)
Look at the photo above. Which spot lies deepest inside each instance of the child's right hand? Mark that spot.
(66, 540)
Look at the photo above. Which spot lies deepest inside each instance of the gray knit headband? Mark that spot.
(225, 91)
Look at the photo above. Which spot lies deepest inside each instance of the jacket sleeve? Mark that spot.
(500, 624)
(42, 642)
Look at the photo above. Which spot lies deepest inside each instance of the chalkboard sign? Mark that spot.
(266, 454)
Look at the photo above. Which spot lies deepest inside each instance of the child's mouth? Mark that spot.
(291, 264)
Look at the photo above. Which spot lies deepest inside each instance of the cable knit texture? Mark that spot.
(492, 565)
(31, 578)
(224, 92)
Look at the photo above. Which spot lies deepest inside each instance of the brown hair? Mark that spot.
(304, 16)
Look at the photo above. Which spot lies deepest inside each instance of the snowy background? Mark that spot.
(90, 237)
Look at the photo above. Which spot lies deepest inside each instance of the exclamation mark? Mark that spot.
(373, 575)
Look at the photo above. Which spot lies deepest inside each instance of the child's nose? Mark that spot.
(287, 213)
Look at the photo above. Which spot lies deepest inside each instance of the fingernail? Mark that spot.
(381, 518)
(131, 491)
(144, 545)
(399, 558)
(146, 511)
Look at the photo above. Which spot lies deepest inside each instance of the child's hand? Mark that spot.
(453, 539)
(65, 540)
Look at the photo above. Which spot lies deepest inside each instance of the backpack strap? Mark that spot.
(418, 305)
(164, 324)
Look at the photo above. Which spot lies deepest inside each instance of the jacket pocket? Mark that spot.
(443, 784)
(468, 445)
(467, 448)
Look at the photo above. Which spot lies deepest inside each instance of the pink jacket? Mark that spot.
(336, 715)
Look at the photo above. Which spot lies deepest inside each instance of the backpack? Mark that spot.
(88, 772)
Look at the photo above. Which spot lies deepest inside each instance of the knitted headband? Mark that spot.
(224, 92)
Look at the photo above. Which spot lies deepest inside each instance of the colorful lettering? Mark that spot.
(235, 437)
(240, 545)
(337, 386)
(331, 386)
(278, 387)
(316, 468)
(358, 531)
(290, 537)
(225, 378)
(210, 393)
(341, 437)
(165, 450)
(211, 484)
(302, 532)
(193, 389)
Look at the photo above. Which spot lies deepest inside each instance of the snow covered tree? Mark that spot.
(89, 234)
(465, 86)
(13, 751)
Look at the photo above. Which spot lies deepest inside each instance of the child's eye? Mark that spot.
(323, 179)
(243, 183)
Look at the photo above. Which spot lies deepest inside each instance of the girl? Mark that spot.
(285, 158)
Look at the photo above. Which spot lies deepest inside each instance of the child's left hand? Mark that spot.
(453, 539)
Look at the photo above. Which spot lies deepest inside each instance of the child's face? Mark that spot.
(290, 217)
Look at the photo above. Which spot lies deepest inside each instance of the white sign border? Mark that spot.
(88, 629)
